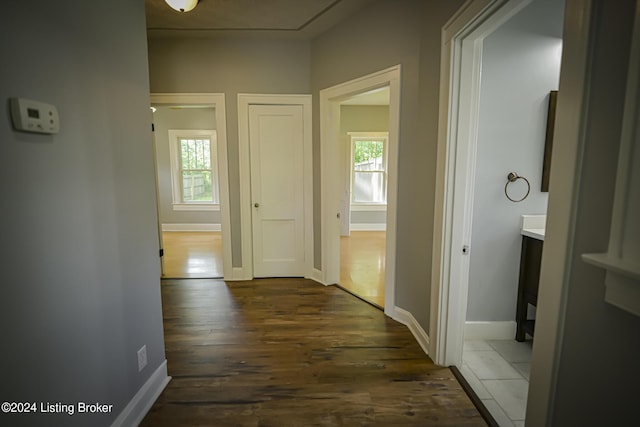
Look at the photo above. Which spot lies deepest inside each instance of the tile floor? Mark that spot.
(498, 371)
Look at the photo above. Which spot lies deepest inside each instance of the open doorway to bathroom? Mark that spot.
(520, 68)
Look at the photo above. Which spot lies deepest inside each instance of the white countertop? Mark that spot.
(536, 233)
(533, 226)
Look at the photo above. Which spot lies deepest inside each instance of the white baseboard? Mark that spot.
(368, 227)
(237, 274)
(137, 408)
(490, 330)
(191, 227)
(317, 276)
(407, 319)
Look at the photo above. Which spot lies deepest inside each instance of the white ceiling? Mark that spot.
(302, 19)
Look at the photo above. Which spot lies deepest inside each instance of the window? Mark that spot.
(194, 169)
(369, 168)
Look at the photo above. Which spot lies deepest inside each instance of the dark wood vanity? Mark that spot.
(530, 260)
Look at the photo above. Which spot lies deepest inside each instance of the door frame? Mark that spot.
(455, 168)
(246, 206)
(459, 70)
(217, 102)
(330, 99)
(157, 182)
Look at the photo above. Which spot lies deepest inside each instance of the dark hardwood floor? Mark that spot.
(290, 352)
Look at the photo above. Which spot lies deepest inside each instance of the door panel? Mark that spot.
(276, 156)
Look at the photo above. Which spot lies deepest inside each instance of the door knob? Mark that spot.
(257, 205)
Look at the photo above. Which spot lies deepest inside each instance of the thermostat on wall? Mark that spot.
(34, 116)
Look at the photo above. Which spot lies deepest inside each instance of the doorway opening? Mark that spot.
(192, 185)
(364, 143)
(365, 186)
(504, 65)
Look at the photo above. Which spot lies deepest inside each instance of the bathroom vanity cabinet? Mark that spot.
(530, 260)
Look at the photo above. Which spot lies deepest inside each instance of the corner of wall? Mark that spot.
(407, 319)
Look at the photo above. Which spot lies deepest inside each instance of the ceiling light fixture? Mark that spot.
(182, 5)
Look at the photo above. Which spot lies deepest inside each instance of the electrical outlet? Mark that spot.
(142, 358)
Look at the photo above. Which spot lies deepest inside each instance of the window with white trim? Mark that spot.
(369, 168)
(194, 169)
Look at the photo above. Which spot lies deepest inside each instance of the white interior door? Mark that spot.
(276, 137)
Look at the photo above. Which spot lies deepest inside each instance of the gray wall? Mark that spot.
(165, 119)
(230, 66)
(598, 371)
(361, 118)
(419, 166)
(520, 65)
(80, 267)
(387, 33)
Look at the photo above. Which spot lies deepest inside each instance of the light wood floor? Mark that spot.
(192, 254)
(362, 260)
(290, 352)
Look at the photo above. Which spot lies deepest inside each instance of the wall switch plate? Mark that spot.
(34, 116)
(142, 358)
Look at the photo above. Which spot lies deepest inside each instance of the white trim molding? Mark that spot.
(474, 330)
(368, 207)
(192, 227)
(195, 207)
(137, 408)
(244, 101)
(406, 318)
(217, 102)
(237, 274)
(330, 99)
(316, 276)
(368, 227)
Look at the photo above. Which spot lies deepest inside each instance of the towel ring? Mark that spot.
(513, 177)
